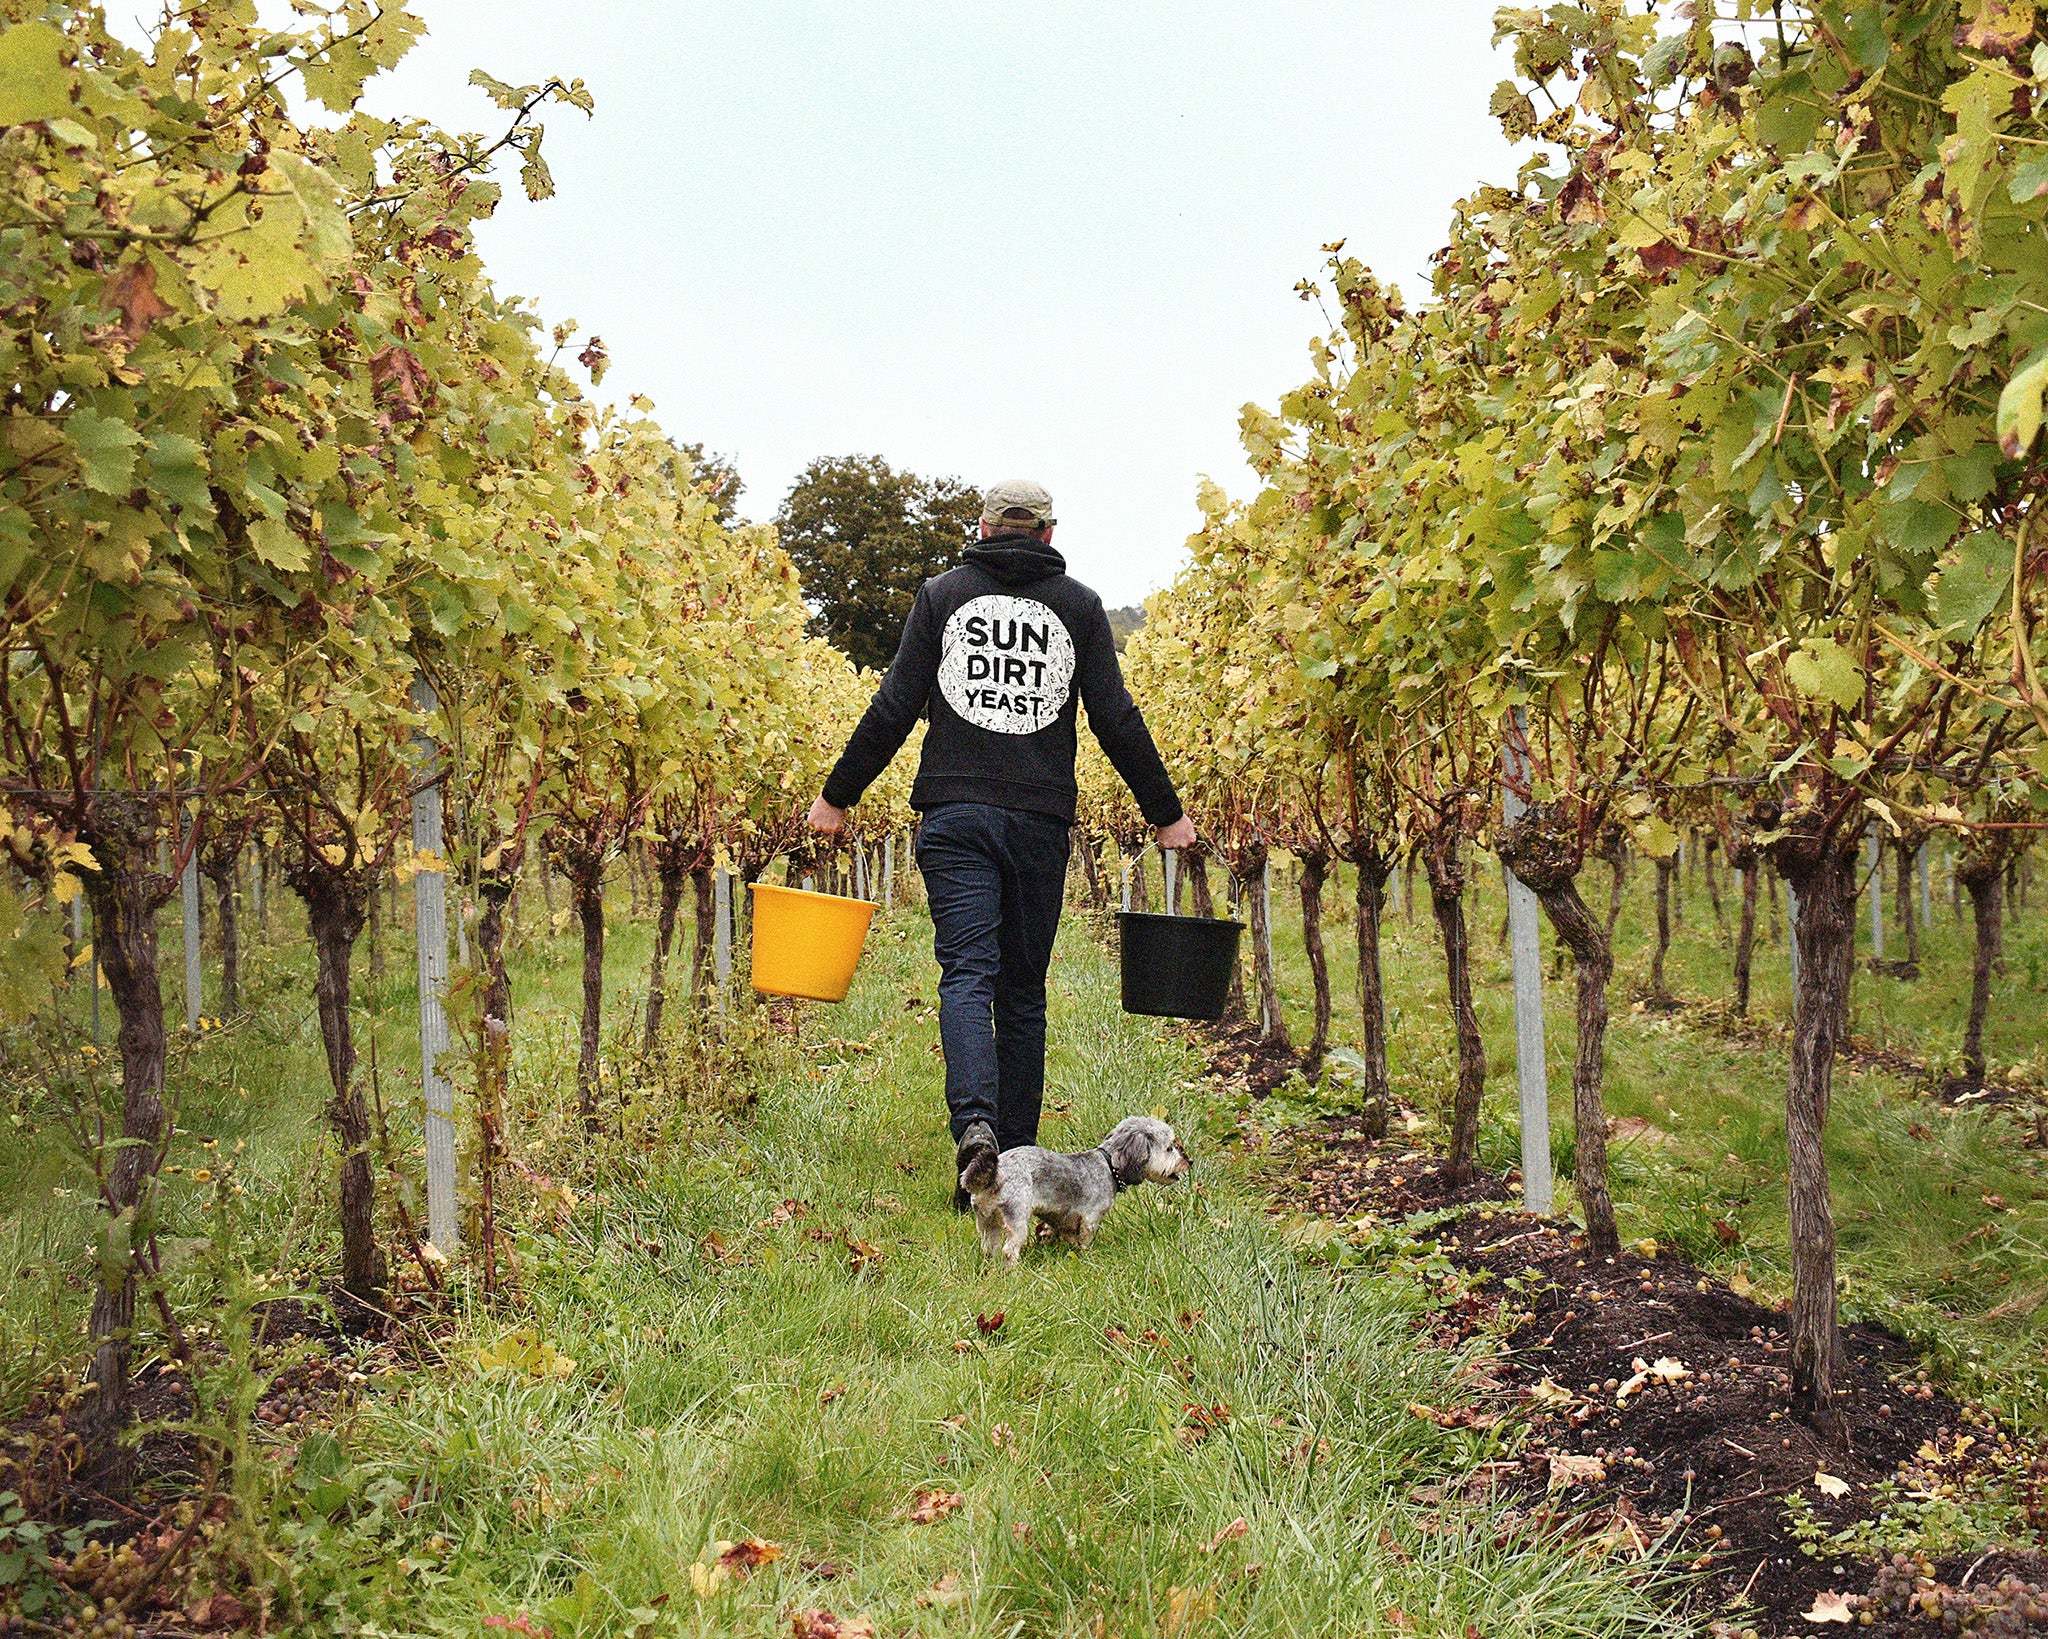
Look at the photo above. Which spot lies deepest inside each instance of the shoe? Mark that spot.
(978, 1143)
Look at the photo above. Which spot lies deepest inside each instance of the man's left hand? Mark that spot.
(1180, 834)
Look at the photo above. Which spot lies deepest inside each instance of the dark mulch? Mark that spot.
(2024, 1103)
(301, 1348)
(1718, 1445)
(1348, 1175)
(40, 1453)
(1241, 1062)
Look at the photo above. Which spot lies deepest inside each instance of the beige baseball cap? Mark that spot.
(1017, 502)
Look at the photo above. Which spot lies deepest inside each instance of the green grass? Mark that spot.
(1700, 1115)
(711, 1344)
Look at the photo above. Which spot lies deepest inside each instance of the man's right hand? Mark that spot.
(1180, 834)
(826, 818)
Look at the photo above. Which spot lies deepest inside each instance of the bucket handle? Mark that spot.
(1169, 859)
(1125, 867)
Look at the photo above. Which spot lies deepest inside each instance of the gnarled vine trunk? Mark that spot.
(587, 889)
(670, 874)
(223, 879)
(1745, 933)
(1614, 849)
(1274, 1030)
(1134, 875)
(125, 894)
(700, 952)
(1667, 873)
(1823, 872)
(495, 891)
(1709, 846)
(1374, 869)
(1443, 865)
(1907, 913)
(1315, 871)
(1234, 1010)
(1091, 871)
(1979, 871)
(337, 904)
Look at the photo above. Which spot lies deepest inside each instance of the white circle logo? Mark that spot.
(1007, 664)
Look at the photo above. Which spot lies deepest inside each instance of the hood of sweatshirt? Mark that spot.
(1016, 560)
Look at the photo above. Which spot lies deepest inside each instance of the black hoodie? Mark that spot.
(1001, 651)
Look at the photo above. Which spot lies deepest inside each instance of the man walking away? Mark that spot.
(1001, 651)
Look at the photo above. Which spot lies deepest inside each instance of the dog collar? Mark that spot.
(1117, 1180)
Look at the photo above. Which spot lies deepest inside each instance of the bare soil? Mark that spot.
(1240, 1062)
(1702, 1456)
(143, 1550)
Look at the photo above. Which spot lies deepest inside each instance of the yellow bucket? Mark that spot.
(807, 944)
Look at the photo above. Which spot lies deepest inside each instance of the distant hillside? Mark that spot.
(1123, 622)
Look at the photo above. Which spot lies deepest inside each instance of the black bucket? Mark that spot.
(1177, 967)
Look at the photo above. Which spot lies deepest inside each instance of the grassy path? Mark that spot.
(810, 1380)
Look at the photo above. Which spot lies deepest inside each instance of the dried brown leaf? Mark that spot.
(1570, 1468)
(749, 1554)
(131, 291)
(934, 1504)
(946, 1592)
(817, 1624)
(1229, 1533)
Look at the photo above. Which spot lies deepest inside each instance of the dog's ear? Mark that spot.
(981, 1172)
(1129, 1149)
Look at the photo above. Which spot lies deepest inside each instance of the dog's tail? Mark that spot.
(980, 1174)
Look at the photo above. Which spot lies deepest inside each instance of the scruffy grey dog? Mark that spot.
(1070, 1192)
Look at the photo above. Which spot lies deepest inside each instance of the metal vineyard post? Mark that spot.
(430, 927)
(1528, 970)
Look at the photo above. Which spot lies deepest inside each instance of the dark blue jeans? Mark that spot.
(996, 879)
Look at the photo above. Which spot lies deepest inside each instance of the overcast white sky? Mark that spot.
(1055, 240)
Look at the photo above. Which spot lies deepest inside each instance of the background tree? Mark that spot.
(865, 537)
(1125, 624)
